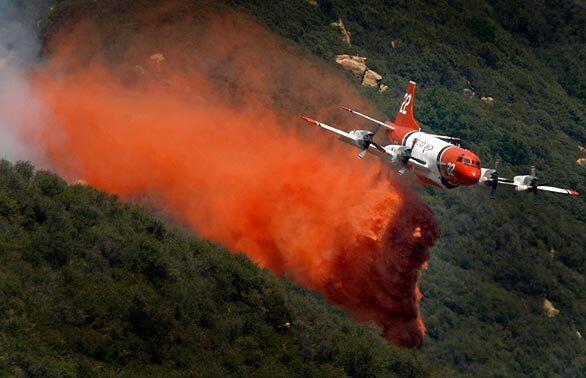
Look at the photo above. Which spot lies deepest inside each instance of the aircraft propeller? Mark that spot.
(494, 179)
(406, 156)
(533, 183)
(367, 140)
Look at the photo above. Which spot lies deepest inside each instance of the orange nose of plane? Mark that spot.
(466, 174)
(460, 166)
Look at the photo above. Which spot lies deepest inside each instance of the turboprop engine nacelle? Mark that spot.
(523, 180)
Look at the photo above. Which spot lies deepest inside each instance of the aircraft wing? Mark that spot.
(347, 137)
(356, 138)
(553, 189)
(519, 183)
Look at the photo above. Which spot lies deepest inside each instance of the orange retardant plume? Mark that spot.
(202, 118)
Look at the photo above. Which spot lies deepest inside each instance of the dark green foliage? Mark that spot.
(91, 287)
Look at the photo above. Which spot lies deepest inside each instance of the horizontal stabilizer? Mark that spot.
(380, 123)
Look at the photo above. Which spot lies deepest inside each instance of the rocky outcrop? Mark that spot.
(383, 88)
(81, 182)
(550, 310)
(357, 65)
(468, 93)
(354, 64)
(345, 33)
(371, 79)
(139, 70)
(157, 58)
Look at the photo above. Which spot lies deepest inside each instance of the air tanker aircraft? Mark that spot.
(435, 159)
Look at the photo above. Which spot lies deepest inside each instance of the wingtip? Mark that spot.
(574, 193)
(307, 119)
(345, 108)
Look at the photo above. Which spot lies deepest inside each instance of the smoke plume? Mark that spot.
(200, 114)
(19, 109)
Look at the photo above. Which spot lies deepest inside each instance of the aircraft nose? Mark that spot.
(468, 175)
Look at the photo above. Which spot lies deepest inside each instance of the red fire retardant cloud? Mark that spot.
(200, 116)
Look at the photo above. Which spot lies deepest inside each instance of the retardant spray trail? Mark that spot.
(203, 119)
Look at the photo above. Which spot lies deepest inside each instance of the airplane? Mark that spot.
(434, 159)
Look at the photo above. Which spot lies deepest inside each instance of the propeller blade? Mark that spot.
(402, 170)
(493, 192)
(362, 153)
(494, 178)
(378, 147)
(413, 144)
(533, 183)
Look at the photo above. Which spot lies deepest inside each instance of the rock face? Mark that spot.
(371, 79)
(357, 65)
(354, 64)
(156, 61)
(468, 93)
(345, 33)
(487, 100)
(550, 310)
(80, 182)
(139, 70)
(157, 58)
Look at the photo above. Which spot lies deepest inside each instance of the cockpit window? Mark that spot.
(459, 158)
(466, 161)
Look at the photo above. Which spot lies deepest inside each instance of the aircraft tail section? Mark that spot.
(405, 115)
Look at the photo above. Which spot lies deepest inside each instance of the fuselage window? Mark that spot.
(466, 161)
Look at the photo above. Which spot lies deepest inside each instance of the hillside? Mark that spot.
(93, 287)
(497, 261)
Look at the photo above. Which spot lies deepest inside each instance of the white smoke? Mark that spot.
(19, 49)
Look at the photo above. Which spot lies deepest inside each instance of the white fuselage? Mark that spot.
(428, 151)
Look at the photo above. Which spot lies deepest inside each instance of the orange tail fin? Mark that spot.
(405, 115)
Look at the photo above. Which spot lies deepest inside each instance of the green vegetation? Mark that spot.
(89, 286)
(489, 274)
